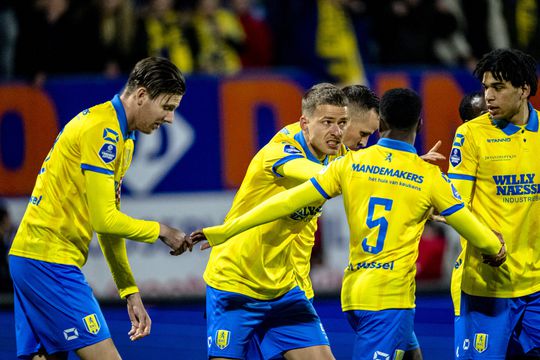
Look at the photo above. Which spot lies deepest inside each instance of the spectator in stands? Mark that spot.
(257, 50)
(56, 37)
(116, 33)
(220, 37)
(8, 36)
(522, 19)
(168, 33)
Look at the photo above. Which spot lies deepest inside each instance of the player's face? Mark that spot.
(323, 130)
(362, 125)
(503, 100)
(152, 113)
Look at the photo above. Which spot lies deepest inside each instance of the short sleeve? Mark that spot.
(99, 148)
(463, 156)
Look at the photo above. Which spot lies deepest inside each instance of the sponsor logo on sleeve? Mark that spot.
(455, 157)
(110, 135)
(289, 149)
(107, 153)
(459, 140)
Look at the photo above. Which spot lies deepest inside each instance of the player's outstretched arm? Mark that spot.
(488, 242)
(433, 155)
(279, 205)
(177, 240)
(140, 320)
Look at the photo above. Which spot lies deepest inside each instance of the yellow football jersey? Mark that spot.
(258, 262)
(56, 226)
(502, 161)
(388, 191)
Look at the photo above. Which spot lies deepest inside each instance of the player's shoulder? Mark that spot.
(476, 125)
(100, 116)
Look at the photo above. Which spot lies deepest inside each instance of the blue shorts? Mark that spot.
(55, 309)
(492, 328)
(279, 325)
(383, 334)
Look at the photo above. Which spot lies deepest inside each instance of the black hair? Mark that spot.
(158, 76)
(400, 108)
(468, 109)
(509, 65)
(362, 97)
(322, 94)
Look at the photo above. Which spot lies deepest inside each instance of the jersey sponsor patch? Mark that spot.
(455, 157)
(289, 149)
(480, 342)
(107, 153)
(110, 135)
(222, 338)
(91, 323)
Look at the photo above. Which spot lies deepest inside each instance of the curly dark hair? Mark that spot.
(510, 65)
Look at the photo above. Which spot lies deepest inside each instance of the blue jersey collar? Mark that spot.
(396, 145)
(299, 136)
(532, 123)
(122, 118)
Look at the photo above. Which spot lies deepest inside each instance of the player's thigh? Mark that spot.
(320, 352)
(292, 323)
(527, 333)
(415, 354)
(382, 334)
(485, 326)
(103, 350)
(231, 319)
(55, 308)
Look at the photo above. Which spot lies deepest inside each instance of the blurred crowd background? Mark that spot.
(340, 41)
(332, 39)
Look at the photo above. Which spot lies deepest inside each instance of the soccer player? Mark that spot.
(471, 106)
(388, 192)
(494, 163)
(252, 290)
(76, 193)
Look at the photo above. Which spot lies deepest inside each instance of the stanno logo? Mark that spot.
(71, 334)
(498, 140)
(379, 355)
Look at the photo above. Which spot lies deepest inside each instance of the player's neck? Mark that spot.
(400, 135)
(522, 116)
(129, 109)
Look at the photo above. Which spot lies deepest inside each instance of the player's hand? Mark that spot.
(432, 155)
(436, 217)
(500, 258)
(198, 236)
(177, 240)
(140, 320)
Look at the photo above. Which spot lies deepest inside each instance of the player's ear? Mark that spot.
(303, 122)
(525, 91)
(140, 94)
(419, 125)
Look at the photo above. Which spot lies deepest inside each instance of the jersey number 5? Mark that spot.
(381, 222)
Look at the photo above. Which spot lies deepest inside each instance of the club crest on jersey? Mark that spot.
(480, 342)
(388, 157)
(222, 338)
(455, 157)
(107, 153)
(91, 323)
(110, 135)
(289, 149)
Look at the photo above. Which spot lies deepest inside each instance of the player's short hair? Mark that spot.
(509, 65)
(361, 98)
(472, 105)
(322, 94)
(158, 75)
(400, 108)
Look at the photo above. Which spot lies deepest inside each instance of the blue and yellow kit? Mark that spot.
(499, 164)
(77, 191)
(258, 262)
